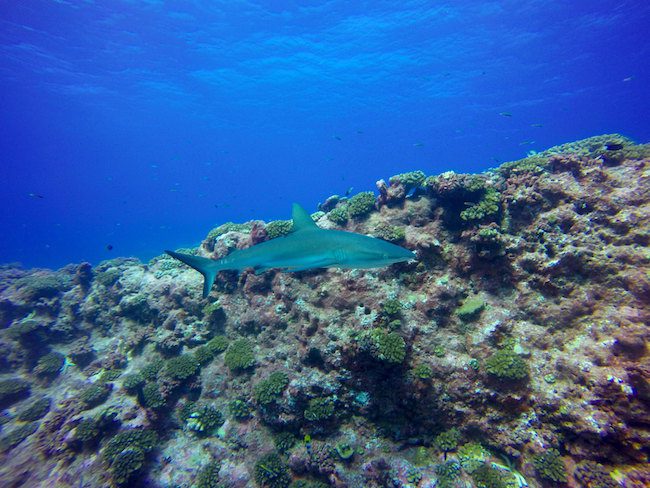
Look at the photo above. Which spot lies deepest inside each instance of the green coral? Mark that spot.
(447, 441)
(50, 364)
(151, 370)
(14, 437)
(107, 277)
(228, 227)
(133, 382)
(143, 439)
(339, 215)
(391, 307)
(239, 355)
(87, 430)
(470, 309)
(239, 409)
(151, 396)
(505, 364)
(109, 375)
(94, 395)
(474, 364)
(278, 228)
(35, 411)
(344, 450)
(270, 471)
(319, 408)
(391, 233)
(439, 351)
(126, 465)
(549, 466)
(487, 208)
(204, 419)
(270, 389)
(181, 367)
(413, 475)
(91, 429)
(423, 371)
(361, 204)
(12, 390)
(385, 346)
(218, 344)
(486, 476)
(284, 441)
(447, 473)
(410, 180)
(472, 456)
(208, 476)
(203, 355)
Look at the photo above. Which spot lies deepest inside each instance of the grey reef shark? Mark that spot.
(306, 247)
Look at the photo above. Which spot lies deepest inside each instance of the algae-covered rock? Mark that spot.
(470, 309)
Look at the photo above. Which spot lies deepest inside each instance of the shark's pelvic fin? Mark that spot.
(301, 219)
(207, 267)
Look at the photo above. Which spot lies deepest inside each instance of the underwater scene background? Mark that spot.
(503, 143)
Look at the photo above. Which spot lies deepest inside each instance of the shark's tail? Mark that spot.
(207, 267)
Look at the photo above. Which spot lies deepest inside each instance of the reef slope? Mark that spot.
(513, 351)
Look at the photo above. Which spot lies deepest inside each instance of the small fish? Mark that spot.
(307, 441)
(613, 146)
(35, 195)
(629, 78)
(418, 144)
(505, 114)
(536, 125)
(109, 247)
(359, 132)
(526, 143)
(338, 138)
(349, 191)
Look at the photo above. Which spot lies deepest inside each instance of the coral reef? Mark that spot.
(513, 351)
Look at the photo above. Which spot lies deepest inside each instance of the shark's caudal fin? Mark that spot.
(207, 267)
(301, 219)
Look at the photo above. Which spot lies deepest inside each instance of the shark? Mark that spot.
(307, 246)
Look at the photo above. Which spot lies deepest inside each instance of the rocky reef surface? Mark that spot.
(512, 352)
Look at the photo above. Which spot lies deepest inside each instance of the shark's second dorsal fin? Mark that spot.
(301, 219)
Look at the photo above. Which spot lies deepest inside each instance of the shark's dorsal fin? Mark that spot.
(301, 219)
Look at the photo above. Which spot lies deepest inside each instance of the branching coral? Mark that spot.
(505, 364)
(35, 411)
(384, 346)
(549, 465)
(268, 390)
(360, 205)
(239, 355)
(271, 472)
(319, 408)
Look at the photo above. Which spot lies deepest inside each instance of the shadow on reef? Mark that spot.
(512, 352)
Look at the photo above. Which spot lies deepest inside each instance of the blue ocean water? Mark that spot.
(140, 125)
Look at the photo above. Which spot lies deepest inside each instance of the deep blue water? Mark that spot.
(143, 124)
